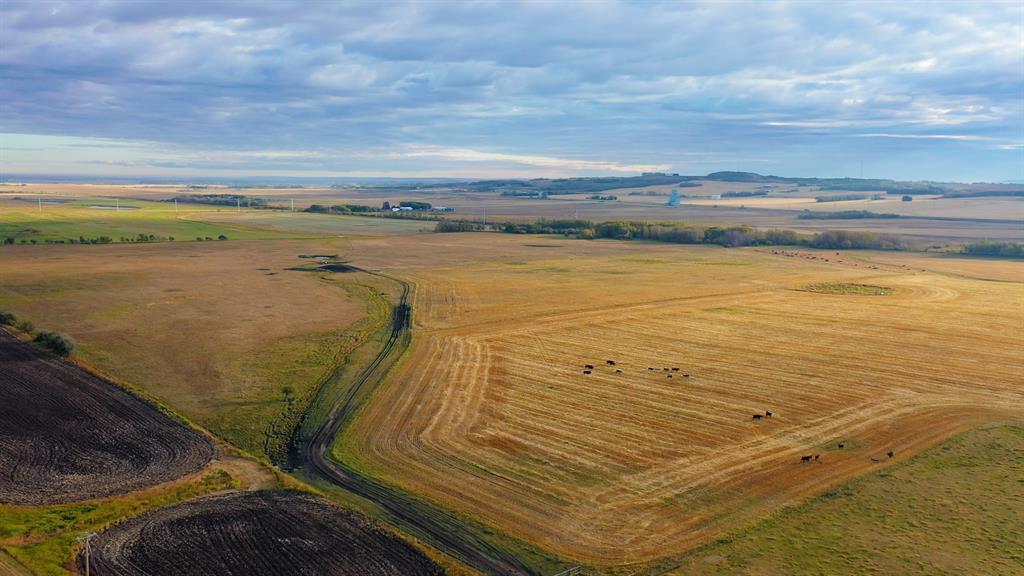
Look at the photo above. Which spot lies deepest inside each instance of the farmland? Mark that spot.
(491, 413)
(268, 533)
(67, 219)
(954, 509)
(66, 435)
(488, 417)
(258, 336)
(927, 219)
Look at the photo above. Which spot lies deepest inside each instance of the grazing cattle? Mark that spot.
(841, 445)
(805, 458)
(816, 456)
(618, 371)
(665, 369)
(610, 362)
(669, 375)
(675, 369)
(686, 375)
(589, 366)
(756, 416)
(889, 453)
(649, 368)
(767, 413)
(586, 371)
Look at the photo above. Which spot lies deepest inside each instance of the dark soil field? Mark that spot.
(68, 435)
(276, 532)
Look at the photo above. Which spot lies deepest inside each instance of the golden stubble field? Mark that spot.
(491, 413)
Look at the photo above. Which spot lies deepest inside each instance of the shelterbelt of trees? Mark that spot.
(730, 236)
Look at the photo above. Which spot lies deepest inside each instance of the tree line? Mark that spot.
(678, 233)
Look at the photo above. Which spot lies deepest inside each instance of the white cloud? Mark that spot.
(470, 155)
(963, 137)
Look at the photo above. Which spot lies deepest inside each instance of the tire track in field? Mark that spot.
(440, 528)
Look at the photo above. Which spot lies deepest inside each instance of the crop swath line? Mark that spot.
(427, 521)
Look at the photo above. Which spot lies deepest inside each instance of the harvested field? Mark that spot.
(849, 288)
(491, 412)
(957, 508)
(248, 533)
(67, 435)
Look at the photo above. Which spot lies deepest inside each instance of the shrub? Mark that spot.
(843, 239)
(7, 318)
(1000, 249)
(56, 342)
(222, 237)
(458, 226)
(907, 198)
(26, 326)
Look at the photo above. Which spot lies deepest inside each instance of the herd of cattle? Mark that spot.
(589, 369)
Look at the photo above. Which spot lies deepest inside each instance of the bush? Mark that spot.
(7, 318)
(26, 326)
(415, 205)
(1000, 249)
(908, 198)
(844, 215)
(458, 226)
(845, 240)
(222, 237)
(56, 342)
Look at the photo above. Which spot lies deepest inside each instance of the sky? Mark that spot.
(481, 89)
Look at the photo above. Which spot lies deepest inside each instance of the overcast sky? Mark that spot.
(488, 89)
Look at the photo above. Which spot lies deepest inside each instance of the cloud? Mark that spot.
(588, 88)
(469, 155)
(961, 137)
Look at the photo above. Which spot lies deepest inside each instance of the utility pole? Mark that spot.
(175, 205)
(87, 538)
(293, 204)
(239, 207)
(40, 200)
(117, 204)
(485, 217)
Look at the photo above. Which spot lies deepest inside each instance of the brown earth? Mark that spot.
(68, 435)
(276, 532)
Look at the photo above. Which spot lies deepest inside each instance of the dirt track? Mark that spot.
(276, 532)
(442, 529)
(68, 435)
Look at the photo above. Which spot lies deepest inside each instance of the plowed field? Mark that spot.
(280, 533)
(68, 435)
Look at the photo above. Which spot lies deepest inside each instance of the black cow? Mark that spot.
(805, 458)
(586, 371)
(767, 413)
(610, 362)
(589, 366)
(758, 416)
(841, 445)
(890, 453)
